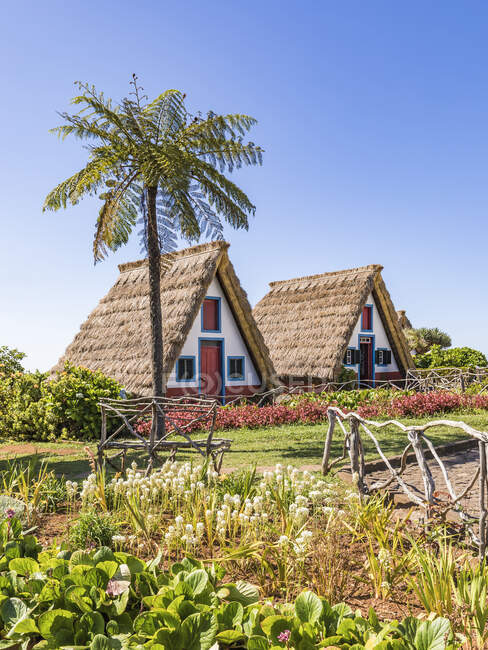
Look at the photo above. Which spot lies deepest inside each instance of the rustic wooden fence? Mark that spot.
(418, 379)
(354, 428)
(179, 420)
(428, 379)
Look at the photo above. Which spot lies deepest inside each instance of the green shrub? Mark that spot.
(34, 407)
(71, 401)
(346, 375)
(450, 358)
(10, 359)
(93, 529)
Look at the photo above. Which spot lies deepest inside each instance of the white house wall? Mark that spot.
(380, 340)
(234, 345)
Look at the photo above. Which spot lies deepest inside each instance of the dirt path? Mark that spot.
(30, 449)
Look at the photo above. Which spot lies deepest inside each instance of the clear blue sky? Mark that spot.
(373, 115)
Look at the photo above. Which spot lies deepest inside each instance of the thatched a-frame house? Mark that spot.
(211, 342)
(313, 326)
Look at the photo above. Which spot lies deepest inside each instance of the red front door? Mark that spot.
(211, 368)
(366, 365)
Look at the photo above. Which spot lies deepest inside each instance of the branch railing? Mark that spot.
(420, 380)
(353, 427)
(177, 419)
(428, 379)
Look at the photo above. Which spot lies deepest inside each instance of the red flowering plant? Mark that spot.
(313, 412)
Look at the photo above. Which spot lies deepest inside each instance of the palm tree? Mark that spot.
(155, 163)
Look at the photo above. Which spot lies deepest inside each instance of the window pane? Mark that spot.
(366, 324)
(185, 369)
(210, 314)
(236, 368)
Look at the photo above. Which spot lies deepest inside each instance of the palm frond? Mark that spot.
(116, 218)
(166, 114)
(206, 174)
(84, 182)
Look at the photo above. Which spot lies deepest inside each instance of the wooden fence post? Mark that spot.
(331, 416)
(482, 520)
(415, 438)
(355, 455)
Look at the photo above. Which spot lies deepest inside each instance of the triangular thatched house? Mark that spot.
(211, 342)
(313, 326)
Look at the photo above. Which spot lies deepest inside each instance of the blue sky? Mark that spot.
(374, 118)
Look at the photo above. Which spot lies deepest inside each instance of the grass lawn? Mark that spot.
(297, 445)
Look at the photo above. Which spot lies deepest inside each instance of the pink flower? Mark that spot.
(284, 636)
(10, 513)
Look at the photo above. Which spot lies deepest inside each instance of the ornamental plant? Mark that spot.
(451, 358)
(10, 361)
(101, 599)
(34, 407)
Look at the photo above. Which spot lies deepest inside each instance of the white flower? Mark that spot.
(200, 529)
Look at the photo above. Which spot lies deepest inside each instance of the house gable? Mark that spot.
(377, 332)
(233, 347)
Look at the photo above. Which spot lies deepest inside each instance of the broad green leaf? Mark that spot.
(24, 566)
(13, 610)
(120, 603)
(56, 624)
(135, 565)
(93, 623)
(242, 592)
(81, 557)
(257, 643)
(148, 623)
(79, 596)
(275, 625)
(227, 637)
(198, 631)
(308, 607)
(109, 567)
(432, 635)
(231, 615)
(96, 578)
(104, 554)
(197, 580)
(100, 642)
(24, 626)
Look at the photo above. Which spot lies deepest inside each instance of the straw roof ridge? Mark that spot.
(329, 275)
(170, 257)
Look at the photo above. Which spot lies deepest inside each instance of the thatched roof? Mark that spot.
(307, 322)
(403, 319)
(116, 337)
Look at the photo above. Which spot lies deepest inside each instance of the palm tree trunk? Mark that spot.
(154, 258)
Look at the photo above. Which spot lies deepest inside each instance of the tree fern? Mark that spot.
(156, 166)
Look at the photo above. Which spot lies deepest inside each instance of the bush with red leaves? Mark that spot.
(256, 417)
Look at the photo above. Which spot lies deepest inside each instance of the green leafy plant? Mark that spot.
(422, 339)
(93, 529)
(34, 407)
(433, 581)
(451, 358)
(101, 599)
(10, 361)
